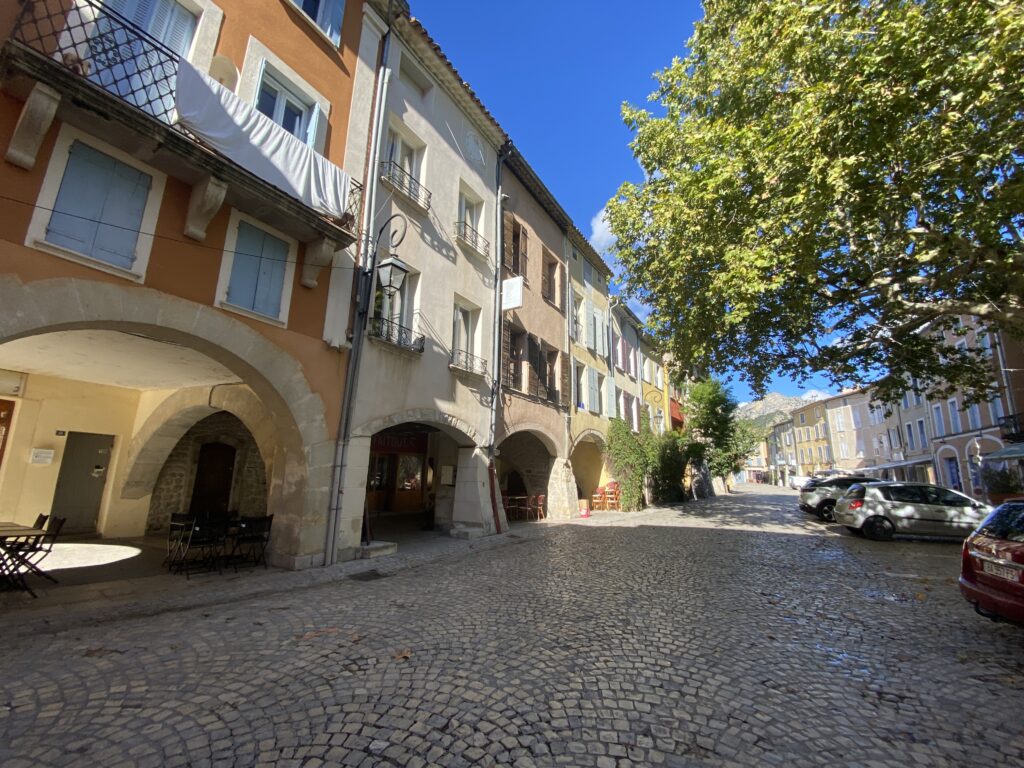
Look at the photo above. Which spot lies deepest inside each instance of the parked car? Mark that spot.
(992, 567)
(878, 510)
(820, 494)
(796, 482)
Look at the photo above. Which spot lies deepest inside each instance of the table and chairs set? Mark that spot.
(607, 498)
(524, 507)
(195, 544)
(23, 548)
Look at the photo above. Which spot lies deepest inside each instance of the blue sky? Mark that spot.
(555, 75)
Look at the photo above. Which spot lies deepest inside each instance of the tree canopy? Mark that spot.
(829, 186)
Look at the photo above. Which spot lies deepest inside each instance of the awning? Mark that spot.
(897, 464)
(1011, 451)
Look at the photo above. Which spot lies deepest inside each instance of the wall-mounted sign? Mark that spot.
(512, 293)
(62, 433)
(447, 474)
(41, 456)
(11, 382)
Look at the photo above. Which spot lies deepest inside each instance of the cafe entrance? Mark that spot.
(400, 492)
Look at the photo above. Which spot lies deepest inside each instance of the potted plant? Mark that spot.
(1000, 484)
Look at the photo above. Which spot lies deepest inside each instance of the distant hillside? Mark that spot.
(773, 407)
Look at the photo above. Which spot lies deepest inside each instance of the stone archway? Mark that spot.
(460, 430)
(533, 454)
(588, 463)
(301, 459)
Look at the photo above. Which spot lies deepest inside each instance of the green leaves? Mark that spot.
(845, 170)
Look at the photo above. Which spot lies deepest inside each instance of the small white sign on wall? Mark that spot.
(512, 293)
(41, 456)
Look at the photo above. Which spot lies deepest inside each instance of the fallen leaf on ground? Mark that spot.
(404, 655)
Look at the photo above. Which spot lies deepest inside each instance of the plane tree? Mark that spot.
(829, 187)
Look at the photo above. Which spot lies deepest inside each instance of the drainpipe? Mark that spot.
(496, 325)
(364, 278)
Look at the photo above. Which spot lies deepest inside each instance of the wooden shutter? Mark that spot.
(524, 253)
(506, 352)
(271, 280)
(565, 394)
(533, 373)
(563, 297)
(545, 281)
(506, 251)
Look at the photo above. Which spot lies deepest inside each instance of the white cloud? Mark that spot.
(601, 236)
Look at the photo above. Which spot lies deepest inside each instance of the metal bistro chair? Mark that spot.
(24, 555)
(249, 543)
(202, 549)
(178, 531)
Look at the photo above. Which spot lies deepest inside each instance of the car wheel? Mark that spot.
(878, 528)
(826, 510)
(855, 531)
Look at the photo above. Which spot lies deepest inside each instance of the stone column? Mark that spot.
(561, 491)
(471, 512)
(353, 499)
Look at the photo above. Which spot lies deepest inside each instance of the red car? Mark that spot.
(992, 569)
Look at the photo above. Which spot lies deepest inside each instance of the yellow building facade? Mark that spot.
(811, 433)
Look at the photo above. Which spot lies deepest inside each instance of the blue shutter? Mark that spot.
(99, 207)
(126, 195)
(271, 276)
(79, 205)
(594, 401)
(331, 16)
(316, 132)
(609, 410)
(245, 266)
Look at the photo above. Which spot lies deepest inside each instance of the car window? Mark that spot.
(904, 493)
(855, 491)
(1005, 522)
(944, 497)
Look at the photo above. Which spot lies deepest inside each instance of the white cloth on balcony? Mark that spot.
(258, 144)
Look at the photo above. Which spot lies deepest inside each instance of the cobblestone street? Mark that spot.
(736, 631)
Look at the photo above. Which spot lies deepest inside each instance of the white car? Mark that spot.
(796, 482)
(878, 510)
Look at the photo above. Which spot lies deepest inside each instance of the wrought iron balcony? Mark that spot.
(399, 178)
(397, 335)
(472, 238)
(464, 361)
(89, 53)
(1012, 427)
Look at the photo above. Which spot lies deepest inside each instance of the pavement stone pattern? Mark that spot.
(733, 631)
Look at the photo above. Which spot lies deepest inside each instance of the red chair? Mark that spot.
(599, 501)
(539, 509)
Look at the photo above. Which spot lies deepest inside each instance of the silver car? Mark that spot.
(881, 509)
(820, 494)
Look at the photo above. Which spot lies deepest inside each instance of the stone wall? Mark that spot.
(173, 490)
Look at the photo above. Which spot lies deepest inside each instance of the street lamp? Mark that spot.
(391, 273)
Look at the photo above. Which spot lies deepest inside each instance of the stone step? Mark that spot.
(377, 549)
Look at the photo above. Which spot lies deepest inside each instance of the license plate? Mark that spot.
(1003, 572)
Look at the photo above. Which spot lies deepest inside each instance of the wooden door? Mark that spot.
(211, 492)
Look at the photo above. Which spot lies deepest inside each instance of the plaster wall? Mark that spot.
(847, 416)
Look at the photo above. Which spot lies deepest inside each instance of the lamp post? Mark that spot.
(391, 275)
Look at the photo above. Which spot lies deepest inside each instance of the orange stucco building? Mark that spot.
(173, 334)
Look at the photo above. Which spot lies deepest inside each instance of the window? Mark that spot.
(954, 416)
(289, 110)
(398, 307)
(803, 418)
(974, 416)
(857, 419)
(906, 400)
(995, 408)
(580, 370)
(910, 437)
(257, 270)
(937, 422)
(860, 447)
(785, 439)
(413, 77)
(325, 14)
(576, 329)
(921, 434)
(469, 211)
(468, 224)
(549, 282)
(918, 397)
(821, 454)
(520, 251)
(839, 422)
(464, 329)
(904, 493)
(403, 169)
(99, 207)
(516, 356)
(844, 451)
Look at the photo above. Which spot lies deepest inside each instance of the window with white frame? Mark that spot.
(470, 209)
(911, 443)
(995, 408)
(97, 205)
(289, 109)
(974, 416)
(579, 374)
(922, 433)
(906, 400)
(954, 416)
(803, 418)
(325, 14)
(860, 447)
(576, 328)
(918, 396)
(839, 422)
(857, 418)
(465, 319)
(844, 451)
(257, 269)
(938, 423)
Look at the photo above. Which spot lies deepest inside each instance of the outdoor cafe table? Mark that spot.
(11, 562)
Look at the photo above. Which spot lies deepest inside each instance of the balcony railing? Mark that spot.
(465, 232)
(111, 53)
(405, 182)
(398, 335)
(1012, 427)
(464, 361)
(99, 44)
